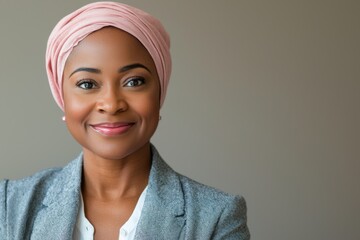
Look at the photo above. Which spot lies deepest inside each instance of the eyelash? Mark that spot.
(140, 81)
(86, 81)
(132, 80)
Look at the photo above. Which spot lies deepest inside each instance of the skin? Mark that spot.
(101, 84)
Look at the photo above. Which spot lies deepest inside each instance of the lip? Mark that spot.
(112, 129)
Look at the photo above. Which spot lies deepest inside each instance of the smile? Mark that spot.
(112, 129)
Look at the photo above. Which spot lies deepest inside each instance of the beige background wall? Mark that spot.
(263, 102)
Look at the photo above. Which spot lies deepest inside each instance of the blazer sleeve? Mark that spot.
(232, 222)
(3, 187)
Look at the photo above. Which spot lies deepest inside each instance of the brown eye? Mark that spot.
(86, 84)
(134, 82)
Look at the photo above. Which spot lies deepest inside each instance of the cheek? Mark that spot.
(76, 111)
(148, 107)
(76, 114)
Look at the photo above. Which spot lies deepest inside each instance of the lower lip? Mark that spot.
(112, 131)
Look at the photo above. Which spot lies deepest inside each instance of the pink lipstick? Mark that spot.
(111, 129)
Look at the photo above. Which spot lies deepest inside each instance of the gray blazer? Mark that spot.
(45, 206)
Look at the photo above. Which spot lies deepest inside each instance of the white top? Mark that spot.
(85, 231)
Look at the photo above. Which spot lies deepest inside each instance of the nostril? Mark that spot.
(112, 108)
(101, 110)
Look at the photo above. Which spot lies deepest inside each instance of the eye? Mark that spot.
(86, 84)
(134, 82)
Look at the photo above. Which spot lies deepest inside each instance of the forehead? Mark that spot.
(109, 45)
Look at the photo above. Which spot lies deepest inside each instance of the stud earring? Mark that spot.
(159, 117)
(63, 118)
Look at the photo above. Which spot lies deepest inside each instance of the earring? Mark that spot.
(159, 117)
(63, 118)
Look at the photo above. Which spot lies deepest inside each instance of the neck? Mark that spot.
(110, 179)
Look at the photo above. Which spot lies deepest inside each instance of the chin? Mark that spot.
(117, 151)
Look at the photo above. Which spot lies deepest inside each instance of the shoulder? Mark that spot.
(34, 185)
(211, 208)
(37, 180)
(202, 193)
(209, 212)
(19, 198)
(23, 192)
(196, 195)
(209, 198)
(40, 181)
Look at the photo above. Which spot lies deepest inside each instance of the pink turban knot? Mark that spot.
(77, 25)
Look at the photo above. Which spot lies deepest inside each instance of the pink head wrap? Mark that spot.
(77, 25)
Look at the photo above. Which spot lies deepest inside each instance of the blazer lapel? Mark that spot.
(163, 213)
(162, 217)
(57, 218)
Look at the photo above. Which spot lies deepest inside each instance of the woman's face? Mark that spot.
(111, 94)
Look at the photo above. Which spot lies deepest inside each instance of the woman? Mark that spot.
(108, 66)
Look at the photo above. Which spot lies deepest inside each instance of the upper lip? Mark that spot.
(112, 124)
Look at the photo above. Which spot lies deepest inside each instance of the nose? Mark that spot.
(111, 101)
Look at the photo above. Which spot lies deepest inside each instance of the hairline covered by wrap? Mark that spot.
(74, 27)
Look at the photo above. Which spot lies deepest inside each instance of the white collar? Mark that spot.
(85, 231)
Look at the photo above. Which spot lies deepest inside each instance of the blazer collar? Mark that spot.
(163, 213)
(164, 206)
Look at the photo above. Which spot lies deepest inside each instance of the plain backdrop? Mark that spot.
(263, 102)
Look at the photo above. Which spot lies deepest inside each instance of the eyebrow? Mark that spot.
(121, 70)
(132, 66)
(85, 69)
